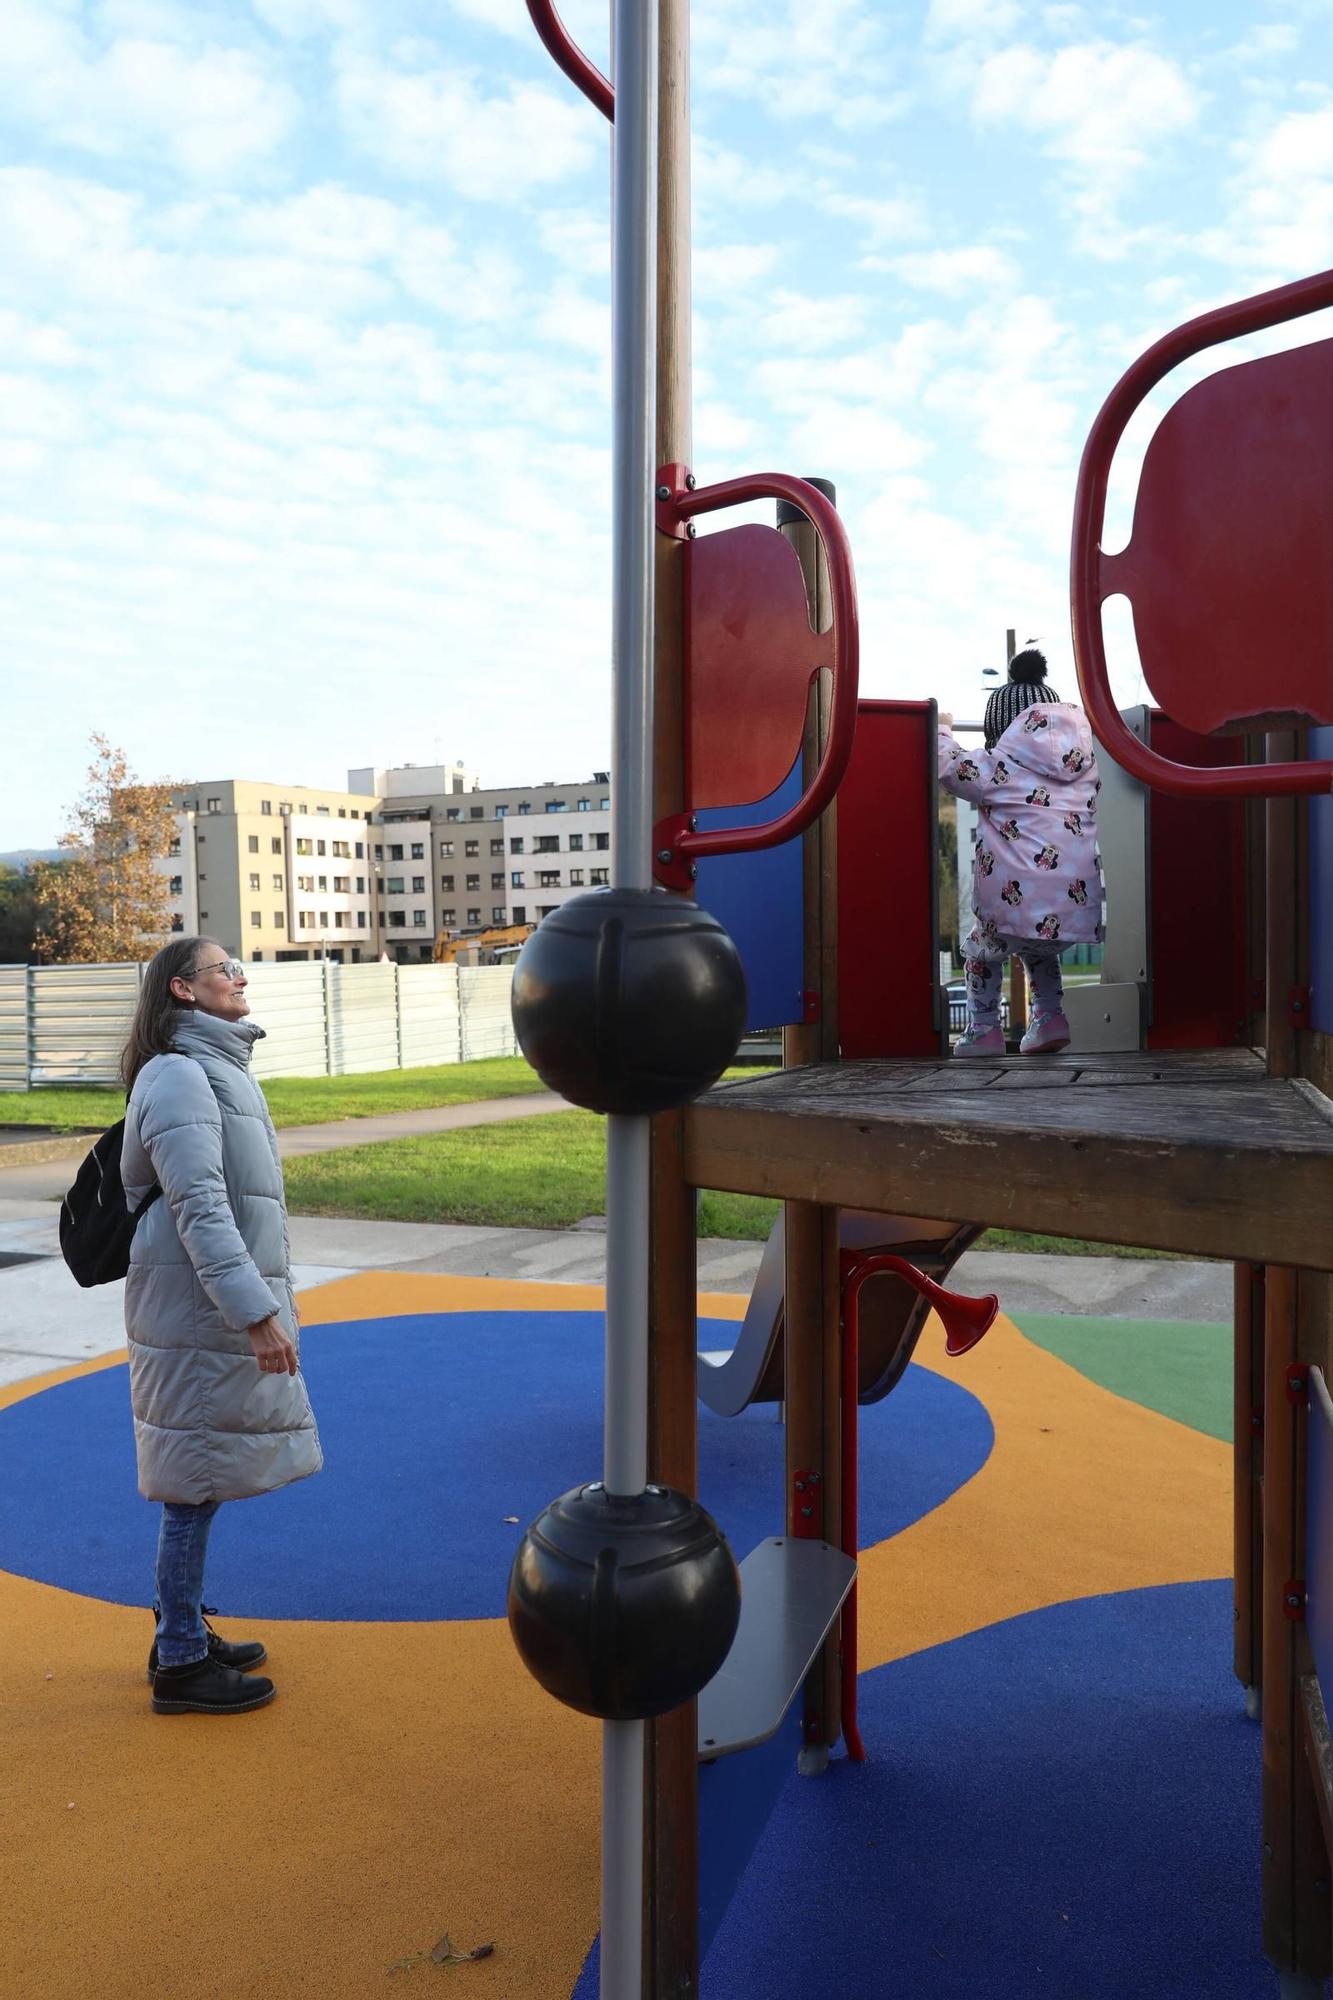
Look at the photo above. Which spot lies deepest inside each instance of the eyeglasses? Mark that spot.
(231, 966)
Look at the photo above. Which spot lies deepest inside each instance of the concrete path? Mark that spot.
(47, 1322)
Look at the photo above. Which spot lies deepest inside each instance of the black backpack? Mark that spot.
(96, 1226)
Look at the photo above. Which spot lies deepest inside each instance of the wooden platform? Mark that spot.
(1202, 1153)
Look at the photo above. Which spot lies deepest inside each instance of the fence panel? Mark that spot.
(363, 1018)
(483, 1003)
(288, 1003)
(13, 1027)
(428, 1013)
(80, 1016)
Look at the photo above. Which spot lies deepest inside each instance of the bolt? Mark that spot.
(693, 872)
(691, 530)
(664, 492)
(691, 481)
(1268, 1852)
(806, 1513)
(664, 854)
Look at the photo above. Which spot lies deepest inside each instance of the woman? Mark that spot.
(220, 1407)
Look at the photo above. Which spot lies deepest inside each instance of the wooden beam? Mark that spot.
(1247, 1464)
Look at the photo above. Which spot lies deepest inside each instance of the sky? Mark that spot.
(304, 333)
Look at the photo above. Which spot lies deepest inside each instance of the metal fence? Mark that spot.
(67, 1023)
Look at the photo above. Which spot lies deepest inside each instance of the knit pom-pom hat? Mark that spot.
(1026, 684)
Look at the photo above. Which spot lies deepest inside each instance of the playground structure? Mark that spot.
(492, 946)
(1211, 1135)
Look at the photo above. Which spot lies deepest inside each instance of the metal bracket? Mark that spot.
(1298, 1006)
(808, 1505)
(672, 481)
(1293, 1600)
(1298, 1383)
(670, 866)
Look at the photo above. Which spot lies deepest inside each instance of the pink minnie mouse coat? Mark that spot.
(1036, 873)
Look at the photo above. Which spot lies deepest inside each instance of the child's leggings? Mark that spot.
(984, 967)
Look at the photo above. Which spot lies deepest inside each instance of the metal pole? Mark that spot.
(633, 343)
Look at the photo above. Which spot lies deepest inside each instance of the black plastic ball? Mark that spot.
(624, 1606)
(629, 1000)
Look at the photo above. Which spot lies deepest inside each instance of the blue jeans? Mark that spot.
(181, 1636)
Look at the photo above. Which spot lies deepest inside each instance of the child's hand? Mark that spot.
(945, 719)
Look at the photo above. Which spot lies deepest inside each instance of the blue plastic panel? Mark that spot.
(1321, 893)
(759, 899)
(1319, 1534)
(736, 1796)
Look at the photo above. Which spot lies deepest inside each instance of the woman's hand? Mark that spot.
(273, 1351)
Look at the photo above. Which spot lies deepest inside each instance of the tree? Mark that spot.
(18, 916)
(108, 901)
(948, 819)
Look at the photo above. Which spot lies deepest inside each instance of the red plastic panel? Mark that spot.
(1197, 888)
(1230, 569)
(750, 655)
(888, 895)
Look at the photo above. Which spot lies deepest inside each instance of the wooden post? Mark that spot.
(812, 1356)
(1247, 1462)
(671, 1807)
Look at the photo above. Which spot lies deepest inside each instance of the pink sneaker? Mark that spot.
(1046, 1034)
(989, 1044)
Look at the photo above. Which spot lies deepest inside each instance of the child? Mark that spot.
(1036, 872)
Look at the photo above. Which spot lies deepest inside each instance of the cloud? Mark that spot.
(1102, 107)
(1280, 223)
(212, 112)
(493, 145)
(828, 59)
(973, 267)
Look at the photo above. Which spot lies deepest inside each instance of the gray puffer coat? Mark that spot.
(209, 1259)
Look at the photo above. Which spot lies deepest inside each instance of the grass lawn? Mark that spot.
(298, 1100)
(534, 1173)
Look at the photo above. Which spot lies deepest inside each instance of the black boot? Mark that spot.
(244, 1656)
(207, 1688)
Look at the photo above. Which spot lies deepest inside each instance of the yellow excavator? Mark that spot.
(488, 942)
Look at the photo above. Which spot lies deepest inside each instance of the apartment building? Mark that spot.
(402, 857)
(274, 871)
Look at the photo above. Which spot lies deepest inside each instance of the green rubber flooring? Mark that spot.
(1180, 1367)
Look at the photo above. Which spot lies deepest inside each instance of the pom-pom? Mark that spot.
(1028, 667)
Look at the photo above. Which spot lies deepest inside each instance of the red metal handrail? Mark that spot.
(570, 57)
(677, 842)
(1093, 575)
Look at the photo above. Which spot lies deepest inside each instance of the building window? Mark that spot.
(342, 850)
(356, 813)
(418, 850)
(322, 809)
(214, 805)
(502, 812)
(303, 920)
(516, 844)
(277, 920)
(605, 804)
(546, 843)
(475, 812)
(446, 850)
(323, 920)
(448, 916)
(175, 846)
(340, 920)
(306, 883)
(547, 909)
(379, 852)
(516, 879)
(576, 878)
(277, 882)
(342, 812)
(254, 881)
(266, 807)
(447, 882)
(601, 841)
(576, 843)
(598, 877)
(305, 847)
(497, 913)
(419, 919)
(497, 847)
(360, 850)
(252, 843)
(178, 923)
(360, 885)
(472, 847)
(361, 920)
(175, 885)
(452, 812)
(548, 878)
(557, 805)
(398, 920)
(324, 883)
(474, 916)
(584, 805)
(519, 914)
(321, 847)
(203, 916)
(342, 885)
(256, 921)
(498, 881)
(284, 805)
(525, 805)
(396, 852)
(276, 845)
(473, 882)
(394, 885)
